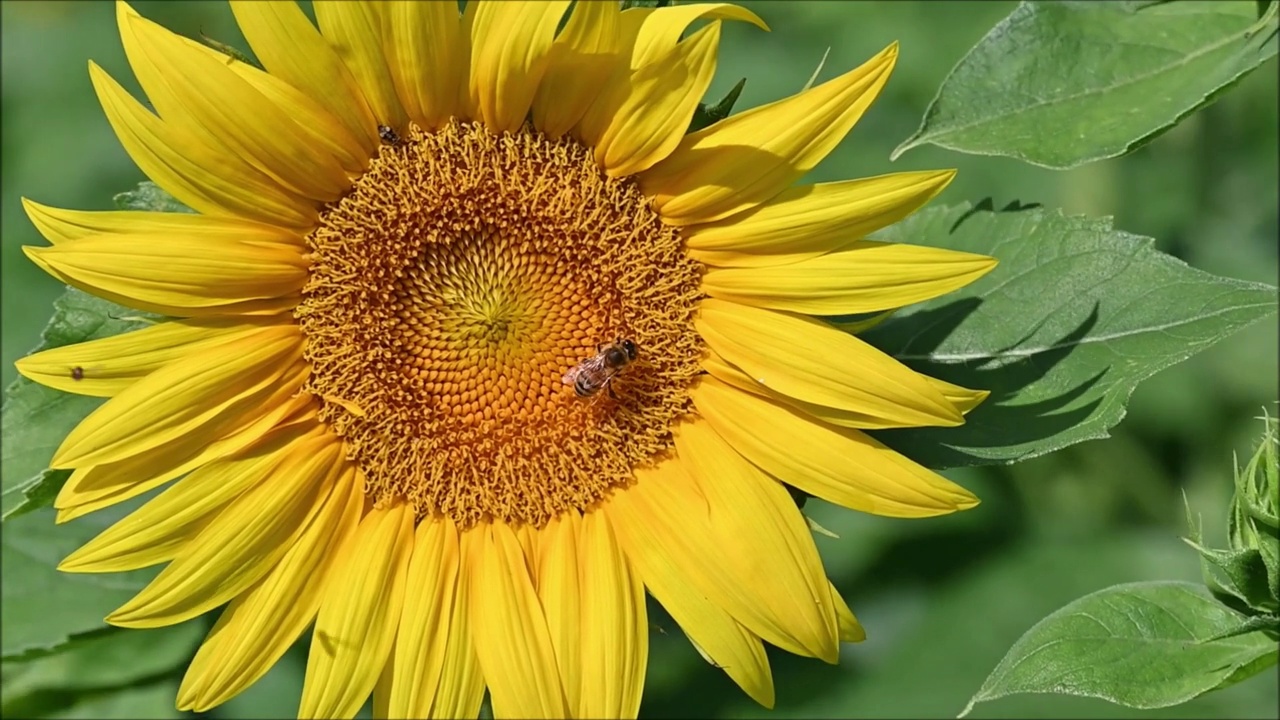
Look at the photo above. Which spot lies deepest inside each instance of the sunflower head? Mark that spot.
(469, 344)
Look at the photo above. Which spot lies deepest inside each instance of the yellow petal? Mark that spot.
(360, 611)
(183, 397)
(242, 543)
(322, 131)
(429, 607)
(663, 27)
(58, 225)
(178, 272)
(580, 62)
(290, 47)
(111, 364)
(862, 277)
(158, 530)
(861, 325)
(748, 158)
(839, 465)
(123, 269)
(560, 592)
(195, 90)
(652, 107)
(850, 629)
(810, 220)
(613, 626)
(722, 639)
(726, 371)
(358, 31)
(461, 689)
(963, 398)
(690, 536)
(259, 626)
(95, 487)
(813, 362)
(426, 55)
(510, 627)
(199, 176)
(763, 535)
(509, 45)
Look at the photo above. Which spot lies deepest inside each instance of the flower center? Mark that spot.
(452, 290)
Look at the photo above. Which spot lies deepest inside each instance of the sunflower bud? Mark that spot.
(1246, 575)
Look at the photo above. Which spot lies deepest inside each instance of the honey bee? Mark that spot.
(596, 373)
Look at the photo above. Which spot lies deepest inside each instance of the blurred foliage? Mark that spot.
(942, 599)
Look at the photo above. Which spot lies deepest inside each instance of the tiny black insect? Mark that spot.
(77, 373)
(388, 135)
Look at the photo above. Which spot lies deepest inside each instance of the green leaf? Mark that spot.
(1060, 84)
(628, 4)
(44, 609)
(1061, 332)
(1245, 573)
(706, 115)
(35, 419)
(1143, 645)
(110, 659)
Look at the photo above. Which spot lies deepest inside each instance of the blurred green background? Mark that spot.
(941, 599)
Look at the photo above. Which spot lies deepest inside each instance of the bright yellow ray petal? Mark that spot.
(560, 593)
(356, 625)
(509, 45)
(111, 364)
(850, 629)
(510, 627)
(729, 646)
(793, 355)
(242, 543)
(663, 27)
(95, 487)
(195, 90)
(429, 606)
(59, 225)
(861, 277)
(722, 369)
(652, 106)
(182, 397)
(426, 56)
(580, 62)
(322, 130)
(963, 398)
(461, 689)
(809, 220)
(685, 528)
(177, 271)
(197, 175)
(764, 540)
(358, 31)
(613, 626)
(748, 158)
(839, 465)
(259, 626)
(158, 530)
(290, 47)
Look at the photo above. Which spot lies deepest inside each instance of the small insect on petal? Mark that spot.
(389, 136)
(77, 373)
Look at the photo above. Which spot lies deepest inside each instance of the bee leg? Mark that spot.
(608, 386)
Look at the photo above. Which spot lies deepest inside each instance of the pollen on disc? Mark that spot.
(449, 294)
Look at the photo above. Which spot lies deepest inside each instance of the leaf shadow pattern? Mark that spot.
(987, 204)
(999, 421)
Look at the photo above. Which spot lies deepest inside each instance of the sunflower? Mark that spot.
(469, 344)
